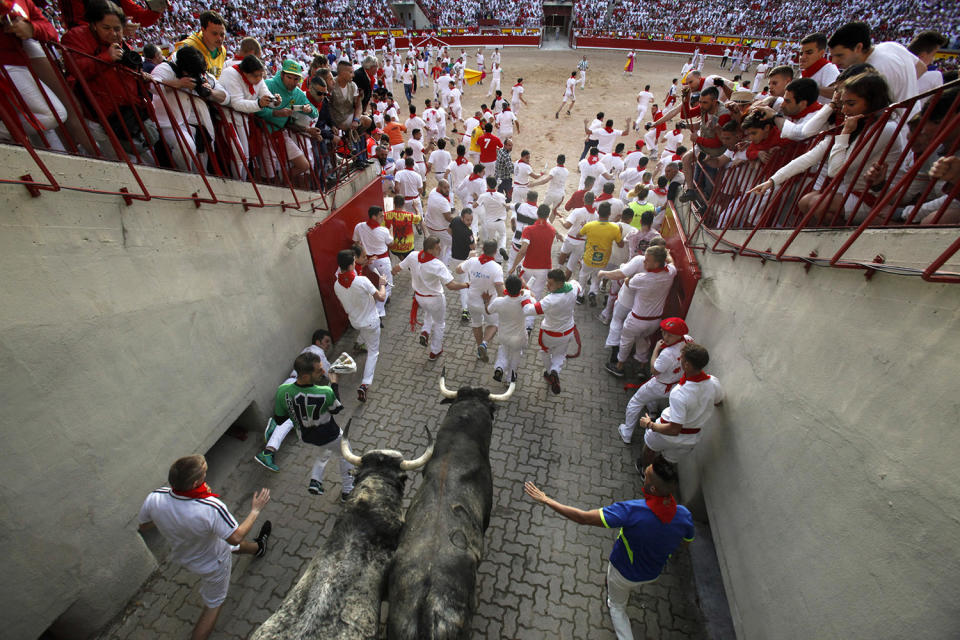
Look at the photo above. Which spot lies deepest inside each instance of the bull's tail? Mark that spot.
(437, 617)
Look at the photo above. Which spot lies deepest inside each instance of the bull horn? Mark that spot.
(501, 397)
(410, 465)
(446, 393)
(345, 449)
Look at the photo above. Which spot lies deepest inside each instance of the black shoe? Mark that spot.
(638, 465)
(423, 338)
(593, 299)
(464, 316)
(362, 393)
(554, 382)
(503, 253)
(315, 487)
(344, 497)
(612, 368)
(262, 538)
(688, 195)
(579, 299)
(498, 374)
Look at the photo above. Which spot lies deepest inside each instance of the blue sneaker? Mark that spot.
(271, 427)
(266, 459)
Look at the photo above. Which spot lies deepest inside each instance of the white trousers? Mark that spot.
(459, 277)
(370, 336)
(576, 254)
(494, 87)
(553, 350)
(620, 314)
(510, 354)
(446, 243)
(636, 332)
(332, 448)
(588, 275)
(33, 91)
(384, 268)
(618, 594)
(641, 114)
(495, 231)
(536, 280)
(645, 399)
(434, 310)
(519, 192)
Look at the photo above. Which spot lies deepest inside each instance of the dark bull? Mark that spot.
(338, 598)
(433, 580)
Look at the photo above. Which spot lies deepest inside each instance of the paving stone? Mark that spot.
(542, 576)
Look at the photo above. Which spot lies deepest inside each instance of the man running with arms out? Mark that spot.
(558, 328)
(202, 532)
(569, 95)
(429, 276)
(556, 189)
(359, 296)
(485, 278)
(650, 531)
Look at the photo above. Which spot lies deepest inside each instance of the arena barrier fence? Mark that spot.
(876, 187)
(502, 36)
(583, 39)
(107, 111)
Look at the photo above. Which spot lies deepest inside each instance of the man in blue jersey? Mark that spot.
(650, 530)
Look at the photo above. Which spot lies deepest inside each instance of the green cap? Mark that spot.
(292, 67)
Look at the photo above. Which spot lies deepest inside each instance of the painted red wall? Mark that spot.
(688, 270)
(335, 233)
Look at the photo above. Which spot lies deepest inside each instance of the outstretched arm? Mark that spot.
(579, 516)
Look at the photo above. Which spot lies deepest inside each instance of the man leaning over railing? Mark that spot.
(292, 104)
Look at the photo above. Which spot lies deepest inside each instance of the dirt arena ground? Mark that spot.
(544, 73)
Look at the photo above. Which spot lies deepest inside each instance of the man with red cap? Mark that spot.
(692, 400)
(665, 373)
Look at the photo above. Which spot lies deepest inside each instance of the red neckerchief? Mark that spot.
(491, 190)
(484, 258)
(603, 196)
(373, 224)
(203, 491)
(593, 160)
(810, 109)
(608, 129)
(423, 257)
(345, 278)
(510, 295)
(676, 132)
(518, 85)
(239, 57)
(660, 270)
(474, 176)
(250, 86)
(660, 192)
(371, 75)
(461, 160)
(816, 66)
(700, 377)
(506, 108)
(665, 508)
(522, 161)
(589, 208)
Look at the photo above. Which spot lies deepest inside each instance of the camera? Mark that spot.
(131, 60)
(202, 89)
(718, 82)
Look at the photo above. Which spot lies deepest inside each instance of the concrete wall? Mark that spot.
(129, 336)
(830, 475)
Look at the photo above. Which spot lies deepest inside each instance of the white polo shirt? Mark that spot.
(650, 290)
(691, 405)
(482, 278)
(428, 277)
(314, 349)
(668, 362)
(558, 180)
(196, 528)
(375, 242)
(440, 160)
(579, 217)
(521, 173)
(358, 302)
(437, 206)
(556, 308)
(493, 206)
(509, 310)
(897, 66)
(408, 183)
(505, 122)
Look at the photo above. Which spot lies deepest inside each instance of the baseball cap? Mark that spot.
(674, 325)
(292, 67)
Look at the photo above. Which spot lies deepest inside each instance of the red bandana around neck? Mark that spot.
(506, 108)
(246, 82)
(424, 257)
(461, 160)
(345, 278)
(812, 69)
(373, 224)
(589, 208)
(591, 160)
(608, 129)
(676, 132)
(484, 258)
(665, 508)
(700, 377)
(203, 491)
(810, 109)
(474, 176)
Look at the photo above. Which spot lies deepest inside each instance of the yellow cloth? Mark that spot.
(214, 64)
(471, 77)
(599, 236)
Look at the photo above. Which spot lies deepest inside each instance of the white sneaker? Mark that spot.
(625, 435)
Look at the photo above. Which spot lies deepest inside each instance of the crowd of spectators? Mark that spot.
(896, 20)
(442, 13)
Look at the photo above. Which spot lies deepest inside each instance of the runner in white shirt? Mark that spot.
(591, 167)
(441, 123)
(388, 74)
(516, 95)
(485, 278)
(376, 240)
(495, 73)
(606, 135)
(522, 173)
(571, 252)
(422, 71)
(439, 161)
(635, 157)
(569, 95)
(443, 82)
(758, 79)
(558, 330)
(453, 102)
(438, 216)
(644, 98)
(492, 206)
(414, 122)
(512, 335)
(409, 184)
(416, 145)
(506, 120)
(613, 166)
(665, 372)
(629, 178)
(429, 276)
(851, 44)
(431, 132)
(692, 403)
(358, 297)
(556, 181)
(471, 188)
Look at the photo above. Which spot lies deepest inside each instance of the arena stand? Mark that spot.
(488, 12)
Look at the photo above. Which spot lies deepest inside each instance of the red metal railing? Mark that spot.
(877, 186)
(124, 127)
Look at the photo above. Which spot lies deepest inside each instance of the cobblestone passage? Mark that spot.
(542, 576)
